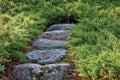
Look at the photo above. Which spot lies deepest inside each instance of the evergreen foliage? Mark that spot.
(96, 42)
(95, 39)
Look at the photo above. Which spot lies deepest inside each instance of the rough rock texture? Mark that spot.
(60, 27)
(37, 72)
(46, 56)
(53, 41)
(49, 44)
(54, 35)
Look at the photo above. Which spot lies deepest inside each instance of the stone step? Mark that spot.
(46, 56)
(32, 71)
(54, 35)
(49, 44)
(60, 27)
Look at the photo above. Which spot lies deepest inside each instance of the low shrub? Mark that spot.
(95, 41)
(18, 28)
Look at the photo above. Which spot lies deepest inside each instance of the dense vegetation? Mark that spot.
(95, 40)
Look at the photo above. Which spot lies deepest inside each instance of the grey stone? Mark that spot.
(32, 71)
(55, 35)
(49, 44)
(60, 27)
(46, 56)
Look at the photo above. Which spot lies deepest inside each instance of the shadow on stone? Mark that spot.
(37, 72)
(46, 56)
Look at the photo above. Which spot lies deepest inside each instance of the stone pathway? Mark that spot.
(50, 47)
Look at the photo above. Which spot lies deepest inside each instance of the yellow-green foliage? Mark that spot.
(22, 20)
(17, 27)
(96, 40)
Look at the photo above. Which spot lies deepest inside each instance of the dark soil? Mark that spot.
(72, 75)
(7, 74)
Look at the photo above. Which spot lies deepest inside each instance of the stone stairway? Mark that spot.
(50, 47)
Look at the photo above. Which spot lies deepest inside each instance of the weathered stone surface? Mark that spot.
(49, 44)
(54, 35)
(37, 72)
(60, 27)
(46, 56)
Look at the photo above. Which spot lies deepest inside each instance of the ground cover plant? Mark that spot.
(94, 41)
(19, 23)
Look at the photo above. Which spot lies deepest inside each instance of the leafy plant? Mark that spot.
(2, 68)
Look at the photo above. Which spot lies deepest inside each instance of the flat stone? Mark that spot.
(54, 35)
(46, 56)
(60, 27)
(32, 71)
(49, 44)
